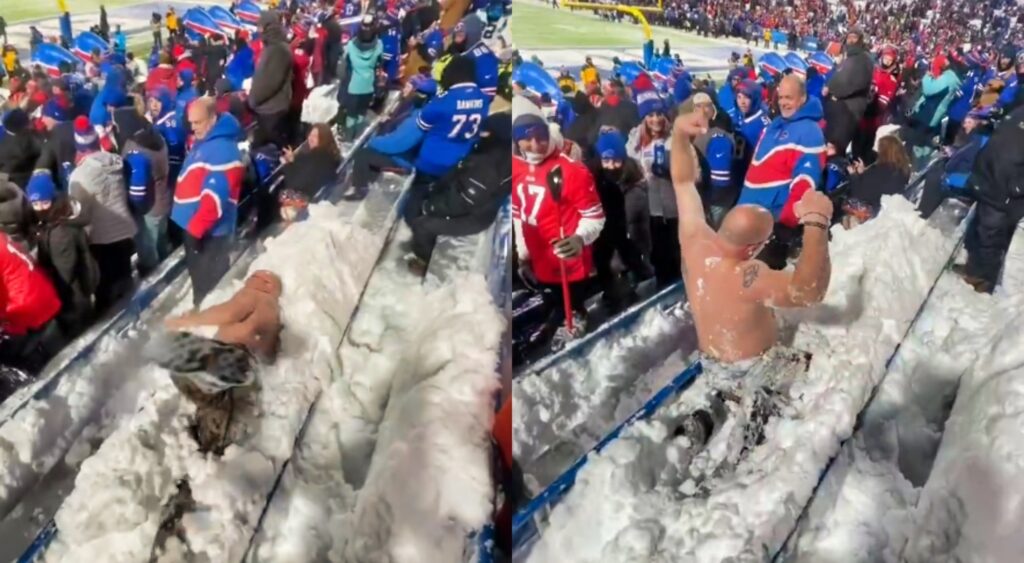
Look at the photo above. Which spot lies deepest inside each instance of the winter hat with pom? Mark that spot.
(527, 120)
(86, 139)
(611, 145)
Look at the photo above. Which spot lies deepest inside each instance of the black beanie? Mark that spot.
(16, 120)
(461, 69)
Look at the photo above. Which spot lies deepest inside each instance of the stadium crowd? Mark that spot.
(593, 199)
(109, 163)
(928, 25)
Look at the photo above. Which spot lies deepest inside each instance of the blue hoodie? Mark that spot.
(113, 93)
(751, 124)
(241, 67)
(170, 129)
(788, 161)
(965, 95)
(186, 95)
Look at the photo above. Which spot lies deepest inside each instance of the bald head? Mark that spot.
(792, 95)
(746, 225)
(202, 115)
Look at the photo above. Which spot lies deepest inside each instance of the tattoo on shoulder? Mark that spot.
(749, 275)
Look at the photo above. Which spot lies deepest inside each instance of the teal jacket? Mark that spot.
(362, 65)
(936, 95)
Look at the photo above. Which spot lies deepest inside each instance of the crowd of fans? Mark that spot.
(107, 166)
(928, 25)
(857, 129)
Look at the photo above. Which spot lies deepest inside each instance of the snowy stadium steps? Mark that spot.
(95, 354)
(530, 521)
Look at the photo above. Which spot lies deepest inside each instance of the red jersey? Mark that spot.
(27, 296)
(542, 221)
(884, 86)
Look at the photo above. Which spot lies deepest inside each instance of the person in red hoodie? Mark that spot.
(183, 59)
(164, 75)
(28, 310)
(300, 71)
(884, 84)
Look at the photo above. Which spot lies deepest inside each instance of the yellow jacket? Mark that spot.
(10, 61)
(589, 74)
(172, 22)
(567, 84)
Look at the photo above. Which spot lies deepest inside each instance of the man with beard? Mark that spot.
(848, 91)
(619, 181)
(1001, 88)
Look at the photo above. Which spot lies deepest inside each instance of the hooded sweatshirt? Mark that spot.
(787, 162)
(363, 57)
(851, 80)
(937, 91)
(98, 182)
(271, 90)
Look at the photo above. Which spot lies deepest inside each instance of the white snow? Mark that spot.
(630, 494)
(407, 424)
(561, 412)
(115, 507)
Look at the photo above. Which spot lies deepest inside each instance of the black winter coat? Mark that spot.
(851, 83)
(310, 171)
(877, 180)
(18, 155)
(58, 153)
(271, 90)
(64, 253)
(477, 187)
(998, 173)
(14, 209)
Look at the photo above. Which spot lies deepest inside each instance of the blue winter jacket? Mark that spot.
(402, 143)
(788, 161)
(961, 104)
(210, 181)
(240, 68)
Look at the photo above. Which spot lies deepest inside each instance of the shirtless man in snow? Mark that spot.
(251, 317)
(730, 293)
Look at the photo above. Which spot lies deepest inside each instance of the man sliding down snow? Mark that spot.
(251, 318)
(730, 293)
(208, 370)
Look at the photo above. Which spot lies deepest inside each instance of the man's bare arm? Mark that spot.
(684, 173)
(808, 283)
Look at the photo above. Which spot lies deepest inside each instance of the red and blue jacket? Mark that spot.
(206, 196)
(787, 162)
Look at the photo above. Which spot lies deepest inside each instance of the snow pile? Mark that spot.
(972, 505)
(407, 423)
(634, 494)
(138, 466)
(563, 411)
(864, 510)
(321, 106)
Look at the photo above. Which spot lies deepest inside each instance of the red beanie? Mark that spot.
(938, 65)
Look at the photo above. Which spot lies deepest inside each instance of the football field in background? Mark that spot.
(561, 38)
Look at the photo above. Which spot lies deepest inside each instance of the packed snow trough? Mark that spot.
(632, 491)
(45, 431)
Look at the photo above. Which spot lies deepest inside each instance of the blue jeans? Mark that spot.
(151, 242)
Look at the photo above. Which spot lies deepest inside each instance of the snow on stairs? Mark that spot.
(168, 286)
(528, 522)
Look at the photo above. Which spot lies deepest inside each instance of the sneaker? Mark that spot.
(416, 266)
(980, 285)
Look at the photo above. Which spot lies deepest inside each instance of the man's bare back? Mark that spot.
(250, 318)
(731, 294)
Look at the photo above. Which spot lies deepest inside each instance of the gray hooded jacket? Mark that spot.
(98, 184)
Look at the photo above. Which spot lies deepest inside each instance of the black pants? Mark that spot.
(271, 128)
(614, 238)
(207, 261)
(665, 252)
(30, 352)
(933, 193)
(367, 165)
(426, 229)
(993, 231)
(952, 128)
(115, 264)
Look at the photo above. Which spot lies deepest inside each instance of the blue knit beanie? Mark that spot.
(40, 187)
(611, 145)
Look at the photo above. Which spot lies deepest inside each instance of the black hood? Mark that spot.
(129, 125)
(461, 69)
